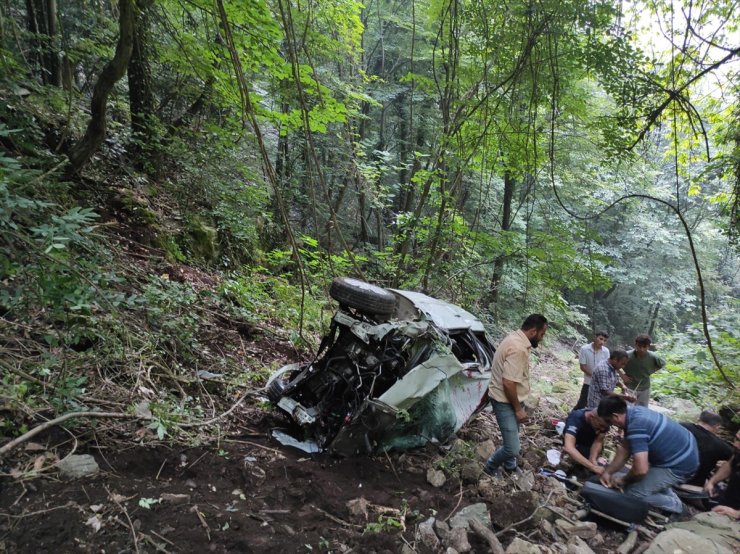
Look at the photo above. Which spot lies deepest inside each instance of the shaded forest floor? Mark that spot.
(248, 493)
(219, 482)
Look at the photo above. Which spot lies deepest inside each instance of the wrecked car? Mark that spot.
(397, 369)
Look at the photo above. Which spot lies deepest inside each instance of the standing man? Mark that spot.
(605, 378)
(592, 354)
(663, 453)
(509, 389)
(641, 365)
(712, 449)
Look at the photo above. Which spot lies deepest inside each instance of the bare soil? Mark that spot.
(249, 495)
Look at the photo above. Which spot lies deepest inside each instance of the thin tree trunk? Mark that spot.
(499, 261)
(94, 136)
(140, 93)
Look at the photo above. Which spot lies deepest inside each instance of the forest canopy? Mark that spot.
(575, 158)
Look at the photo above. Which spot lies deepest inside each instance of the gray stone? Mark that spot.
(520, 546)
(442, 529)
(576, 545)
(435, 477)
(484, 450)
(170, 498)
(458, 540)
(470, 472)
(451, 550)
(358, 508)
(524, 481)
(427, 537)
(585, 529)
(76, 466)
(683, 540)
(478, 511)
(406, 549)
(564, 526)
(708, 533)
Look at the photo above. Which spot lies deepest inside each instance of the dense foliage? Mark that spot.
(511, 157)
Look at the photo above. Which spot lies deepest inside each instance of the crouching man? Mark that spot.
(663, 453)
(583, 438)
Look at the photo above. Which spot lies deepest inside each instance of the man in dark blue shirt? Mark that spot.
(583, 438)
(663, 453)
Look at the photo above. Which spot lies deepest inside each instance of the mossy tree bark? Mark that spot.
(140, 92)
(81, 152)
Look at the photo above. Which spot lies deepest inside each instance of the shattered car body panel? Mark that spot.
(389, 380)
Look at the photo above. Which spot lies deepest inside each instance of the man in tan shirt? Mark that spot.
(509, 389)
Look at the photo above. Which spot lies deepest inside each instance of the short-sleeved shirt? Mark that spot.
(577, 425)
(592, 358)
(731, 496)
(604, 378)
(511, 360)
(711, 450)
(668, 445)
(640, 369)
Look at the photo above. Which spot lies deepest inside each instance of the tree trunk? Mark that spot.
(499, 261)
(53, 65)
(94, 136)
(140, 94)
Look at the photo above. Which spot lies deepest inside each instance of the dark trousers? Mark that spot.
(583, 398)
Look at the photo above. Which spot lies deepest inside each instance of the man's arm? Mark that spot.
(585, 369)
(595, 451)
(511, 395)
(620, 458)
(659, 362)
(640, 466)
(572, 451)
(720, 475)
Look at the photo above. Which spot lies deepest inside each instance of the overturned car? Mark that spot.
(397, 369)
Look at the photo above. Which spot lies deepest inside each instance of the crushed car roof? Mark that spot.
(442, 314)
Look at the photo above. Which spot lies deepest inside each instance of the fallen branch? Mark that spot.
(51, 423)
(487, 535)
(629, 543)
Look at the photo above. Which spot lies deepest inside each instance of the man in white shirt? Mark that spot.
(591, 355)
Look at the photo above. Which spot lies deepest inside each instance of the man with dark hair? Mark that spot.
(729, 500)
(590, 356)
(712, 449)
(663, 453)
(583, 438)
(605, 378)
(641, 365)
(509, 389)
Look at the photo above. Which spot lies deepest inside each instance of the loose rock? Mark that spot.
(576, 545)
(457, 539)
(478, 511)
(435, 477)
(427, 537)
(520, 546)
(76, 466)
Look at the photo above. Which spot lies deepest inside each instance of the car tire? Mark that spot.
(362, 296)
(275, 390)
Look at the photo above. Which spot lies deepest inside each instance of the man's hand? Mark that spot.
(626, 378)
(598, 470)
(735, 514)
(606, 479)
(709, 487)
(521, 415)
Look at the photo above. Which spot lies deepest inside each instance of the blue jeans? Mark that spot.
(655, 489)
(506, 454)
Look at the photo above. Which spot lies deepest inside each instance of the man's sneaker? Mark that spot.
(495, 472)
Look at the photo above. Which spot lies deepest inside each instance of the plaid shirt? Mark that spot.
(603, 378)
